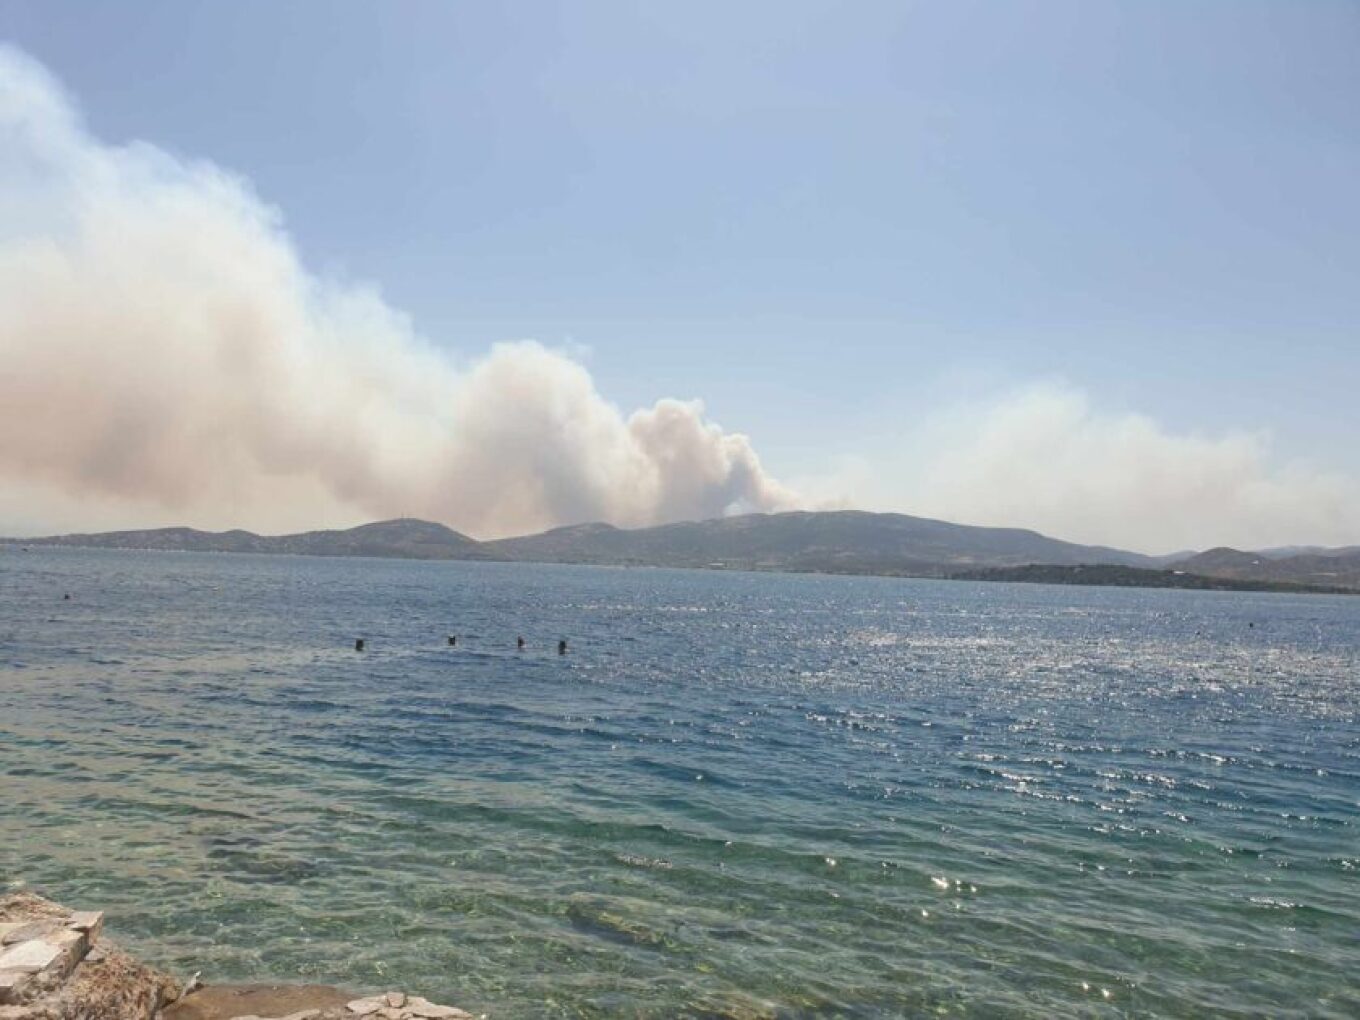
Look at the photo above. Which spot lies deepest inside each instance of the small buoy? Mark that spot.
(358, 644)
(519, 642)
(453, 640)
(66, 597)
(562, 647)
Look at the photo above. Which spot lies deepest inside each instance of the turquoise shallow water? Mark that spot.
(738, 795)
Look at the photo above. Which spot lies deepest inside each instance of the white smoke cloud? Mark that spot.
(164, 355)
(1044, 457)
(166, 358)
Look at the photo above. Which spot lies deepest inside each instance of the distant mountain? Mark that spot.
(406, 538)
(400, 539)
(834, 542)
(1330, 567)
(845, 541)
(1280, 552)
(841, 542)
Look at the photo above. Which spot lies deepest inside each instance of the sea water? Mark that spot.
(736, 795)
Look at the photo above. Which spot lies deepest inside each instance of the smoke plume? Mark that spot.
(164, 355)
(166, 358)
(1045, 457)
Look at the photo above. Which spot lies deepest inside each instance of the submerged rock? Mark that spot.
(305, 1002)
(225, 1002)
(423, 1008)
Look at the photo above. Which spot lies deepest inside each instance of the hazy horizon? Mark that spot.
(1076, 273)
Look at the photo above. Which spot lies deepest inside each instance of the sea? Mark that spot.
(736, 795)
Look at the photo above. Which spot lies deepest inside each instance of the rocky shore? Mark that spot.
(55, 965)
(305, 1002)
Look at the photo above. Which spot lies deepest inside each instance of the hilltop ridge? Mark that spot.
(403, 538)
(839, 541)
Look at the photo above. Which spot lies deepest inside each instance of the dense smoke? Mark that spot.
(165, 356)
(1046, 457)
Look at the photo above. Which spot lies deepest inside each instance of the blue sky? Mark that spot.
(828, 221)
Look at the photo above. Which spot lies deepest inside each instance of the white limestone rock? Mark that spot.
(91, 922)
(31, 956)
(426, 1010)
(26, 931)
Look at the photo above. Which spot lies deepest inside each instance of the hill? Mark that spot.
(1280, 552)
(840, 542)
(833, 542)
(1332, 567)
(847, 541)
(399, 539)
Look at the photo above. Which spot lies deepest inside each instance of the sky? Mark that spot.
(1085, 267)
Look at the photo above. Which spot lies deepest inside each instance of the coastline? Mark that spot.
(851, 543)
(55, 964)
(1093, 575)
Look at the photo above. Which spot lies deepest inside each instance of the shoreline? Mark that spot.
(1090, 575)
(55, 964)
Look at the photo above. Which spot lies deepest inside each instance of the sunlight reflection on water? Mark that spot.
(738, 794)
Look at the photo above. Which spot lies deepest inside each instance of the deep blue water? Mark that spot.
(738, 795)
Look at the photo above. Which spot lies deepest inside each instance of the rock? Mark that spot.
(74, 943)
(50, 969)
(11, 983)
(735, 1006)
(31, 956)
(89, 921)
(49, 981)
(31, 930)
(222, 1002)
(419, 1007)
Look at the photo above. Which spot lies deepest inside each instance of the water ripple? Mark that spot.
(738, 796)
